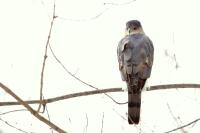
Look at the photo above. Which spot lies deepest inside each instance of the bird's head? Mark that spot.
(133, 27)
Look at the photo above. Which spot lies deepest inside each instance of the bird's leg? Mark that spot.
(124, 86)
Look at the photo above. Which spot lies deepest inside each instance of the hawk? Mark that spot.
(135, 56)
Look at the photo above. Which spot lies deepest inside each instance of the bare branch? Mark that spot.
(172, 57)
(102, 123)
(125, 119)
(181, 127)
(10, 125)
(100, 91)
(55, 99)
(48, 117)
(71, 74)
(86, 126)
(86, 19)
(78, 79)
(31, 110)
(12, 111)
(119, 4)
(172, 86)
(45, 57)
(175, 119)
(98, 14)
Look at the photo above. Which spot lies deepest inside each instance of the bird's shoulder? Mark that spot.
(135, 40)
(121, 45)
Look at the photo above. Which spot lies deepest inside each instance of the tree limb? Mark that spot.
(55, 99)
(172, 86)
(100, 91)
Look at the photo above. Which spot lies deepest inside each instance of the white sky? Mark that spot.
(87, 47)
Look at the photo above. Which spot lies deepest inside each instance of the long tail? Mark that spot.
(134, 100)
(134, 104)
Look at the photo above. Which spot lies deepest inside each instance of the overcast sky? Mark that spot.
(85, 37)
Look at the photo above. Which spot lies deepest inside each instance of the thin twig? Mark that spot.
(92, 86)
(48, 117)
(86, 126)
(71, 74)
(12, 111)
(98, 14)
(119, 4)
(45, 57)
(10, 125)
(86, 19)
(175, 119)
(102, 123)
(183, 126)
(31, 110)
(120, 115)
(172, 57)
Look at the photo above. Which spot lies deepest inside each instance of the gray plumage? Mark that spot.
(135, 56)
